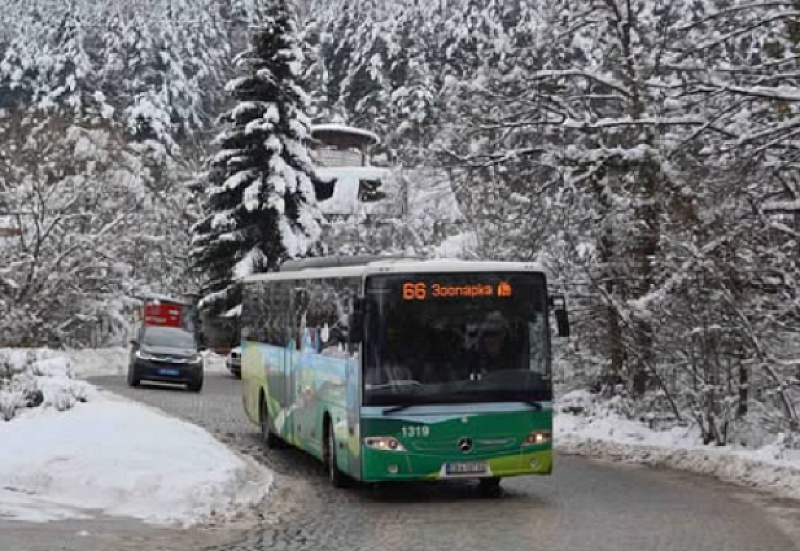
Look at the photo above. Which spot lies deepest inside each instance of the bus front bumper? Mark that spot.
(384, 466)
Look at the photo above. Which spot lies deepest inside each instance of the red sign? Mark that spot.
(163, 314)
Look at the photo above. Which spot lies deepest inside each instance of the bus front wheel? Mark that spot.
(490, 487)
(337, 477)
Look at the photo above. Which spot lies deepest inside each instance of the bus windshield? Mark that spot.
(456, 338)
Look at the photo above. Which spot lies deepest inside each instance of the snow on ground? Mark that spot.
(98, 361)
(214, 363)
(107, 456)
(94, 362)
(604, 434)
(120, 459)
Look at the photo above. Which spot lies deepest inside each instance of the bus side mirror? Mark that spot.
(559, 305)
(356, 322)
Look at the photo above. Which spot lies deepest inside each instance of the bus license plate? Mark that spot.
(171, 372)
(466, 467)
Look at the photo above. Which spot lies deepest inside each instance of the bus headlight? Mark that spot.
(384, 443)
(535, 438)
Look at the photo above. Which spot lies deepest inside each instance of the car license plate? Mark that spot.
(466, 467)
(171, 372)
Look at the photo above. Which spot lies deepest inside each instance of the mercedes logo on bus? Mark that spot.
(465, 445)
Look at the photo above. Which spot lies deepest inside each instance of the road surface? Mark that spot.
(586, 506)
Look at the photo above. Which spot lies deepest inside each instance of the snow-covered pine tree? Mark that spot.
(413, 110)
(261, 204)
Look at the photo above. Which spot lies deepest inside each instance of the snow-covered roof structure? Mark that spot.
(341, 145)
(343, 136)
(368, 206)
(354, 187)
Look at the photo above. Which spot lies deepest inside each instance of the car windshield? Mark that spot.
(456, 338)
(168, 337)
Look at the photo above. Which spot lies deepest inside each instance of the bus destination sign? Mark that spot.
(426, 291)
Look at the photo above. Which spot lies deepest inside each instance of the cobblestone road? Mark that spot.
(585, 506)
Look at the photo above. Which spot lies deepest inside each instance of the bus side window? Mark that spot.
(314, 317)
(300, 310)
(270, 322)
(331, 332)
(274, 326)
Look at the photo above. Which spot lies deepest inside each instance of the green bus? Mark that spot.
(402, 369)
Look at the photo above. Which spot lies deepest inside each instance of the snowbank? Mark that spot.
(32, 379)
(92, 362)
(601, 433)
(116, 458)
(68, 450)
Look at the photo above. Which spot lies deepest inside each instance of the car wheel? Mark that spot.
(133, 377)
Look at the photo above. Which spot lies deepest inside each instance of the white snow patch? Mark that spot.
(214, 363)
(782, 205)
(98, 362)
(83, 452)
(92, 362)
(457, 246)
(248, 264)
(294, 240)
(348, 181)
(116, 458)
(601, 433)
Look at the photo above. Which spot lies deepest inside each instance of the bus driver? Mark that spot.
(494, 345)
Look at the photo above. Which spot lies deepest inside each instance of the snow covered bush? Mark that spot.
(31, 378)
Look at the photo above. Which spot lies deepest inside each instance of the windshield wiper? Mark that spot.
(534, 404)
(394, 409)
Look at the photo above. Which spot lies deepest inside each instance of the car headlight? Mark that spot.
(144, 355)
(197, 359)
(384, 443)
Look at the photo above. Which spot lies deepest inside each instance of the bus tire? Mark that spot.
(490, 487)
(337, 478)
(270, 439)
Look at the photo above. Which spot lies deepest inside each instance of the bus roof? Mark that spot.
(374, 265)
